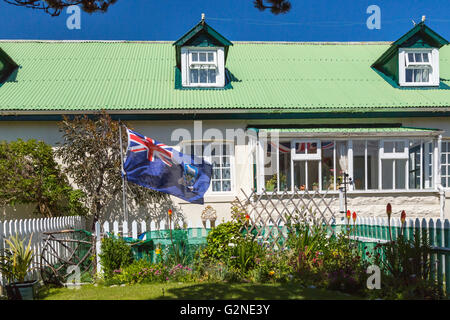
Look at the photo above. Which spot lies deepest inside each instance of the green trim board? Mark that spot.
(279, 80)
(57, 116)
(386, 130)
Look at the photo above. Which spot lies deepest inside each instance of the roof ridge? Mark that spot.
(168, 41)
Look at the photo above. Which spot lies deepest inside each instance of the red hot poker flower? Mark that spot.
(169, 212)
(247, 217)
(348, 214)
(389, 210)
(354, 216)
(403, 216)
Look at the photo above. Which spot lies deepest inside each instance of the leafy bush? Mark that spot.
(15, 261)
(244, 255)
(30, 174)
(115, 254)
(406, 269)
(220, 237)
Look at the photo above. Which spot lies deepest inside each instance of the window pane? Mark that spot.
(226, 173)
(216, 186)
(341, 161)
(210, 57)
(202, 56)
(226, 162)
(300, 175)
(216, 174)
(414, 165)
(418, 57)
(400, 146)
(359, 170)
(444, 146)
(409, 75)
(194, 75)
(411, 57)
(444, 170)
(443, 181)
(194, 56)
(211, 75)
(203, 76)
(285, 165)
(387, 173)
(425, 75)
(327, 165)
(270, 166)
(425, 57)
(300, 148)
(313, 175)
(400, 174)
(388, 147)
(312, 148)
(226, 185)
(372, 164)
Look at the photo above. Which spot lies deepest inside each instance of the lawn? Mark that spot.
(200, 291)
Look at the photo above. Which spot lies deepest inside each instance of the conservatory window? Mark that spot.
(399, 164)
(445, 164)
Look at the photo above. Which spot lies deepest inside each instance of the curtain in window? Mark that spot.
(342, 156)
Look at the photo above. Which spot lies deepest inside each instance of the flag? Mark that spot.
(156, 166)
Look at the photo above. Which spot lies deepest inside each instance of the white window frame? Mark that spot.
(394, 155)
(447, 163)
(210, 191)
(300, 156)
(187, 65)
(432, 65)
(404, 155)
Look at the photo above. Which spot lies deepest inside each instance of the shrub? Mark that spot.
(115, 254)
(220, 237)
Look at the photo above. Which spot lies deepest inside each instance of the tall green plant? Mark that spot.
(16, 260)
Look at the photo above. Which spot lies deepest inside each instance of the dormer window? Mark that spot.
(201, 56)
(202, 67)
(418, 67)
(412, 60)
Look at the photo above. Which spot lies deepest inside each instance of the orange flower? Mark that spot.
(354, 216)
(348, 214)
(388, 210)
(403, 216)
(247, 217)
(170, 212)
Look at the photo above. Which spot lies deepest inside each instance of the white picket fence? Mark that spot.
(34, 228)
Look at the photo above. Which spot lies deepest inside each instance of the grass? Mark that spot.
(188, 291)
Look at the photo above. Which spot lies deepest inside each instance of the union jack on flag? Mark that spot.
(154, 149)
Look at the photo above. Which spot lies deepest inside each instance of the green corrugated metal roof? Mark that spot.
(274, 77)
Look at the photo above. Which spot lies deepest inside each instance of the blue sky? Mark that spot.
(319, 20)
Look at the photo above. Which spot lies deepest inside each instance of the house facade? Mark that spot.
(270, 116)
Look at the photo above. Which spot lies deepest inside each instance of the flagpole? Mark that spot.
(124, 192)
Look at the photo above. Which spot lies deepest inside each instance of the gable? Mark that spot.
(420, 36)
(7, 66)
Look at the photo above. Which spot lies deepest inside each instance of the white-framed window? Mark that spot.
(306, 149)
(418, 67)
(445, 164)
(202, 67)
(220, 155)
(373, 164)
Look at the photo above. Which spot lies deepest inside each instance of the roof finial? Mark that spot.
(423, 18)
(203, 17)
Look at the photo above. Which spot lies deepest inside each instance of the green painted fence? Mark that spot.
(436, 232)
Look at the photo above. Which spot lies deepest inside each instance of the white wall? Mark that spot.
(162, 131)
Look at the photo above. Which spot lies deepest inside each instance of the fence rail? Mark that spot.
(35, 228)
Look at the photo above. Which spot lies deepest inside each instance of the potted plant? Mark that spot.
(15, 263)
